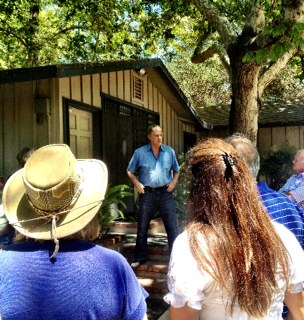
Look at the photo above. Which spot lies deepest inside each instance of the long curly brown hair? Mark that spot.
(244, 250)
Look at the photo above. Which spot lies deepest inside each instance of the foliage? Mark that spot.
(45, 32)
(204, 84)
(254, 40)
(276, 165)
(288, 86)
(233, 44)
(52, 31)
(181, 190)
(113, 205)
(131, 215)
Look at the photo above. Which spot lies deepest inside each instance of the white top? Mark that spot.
(188, 283)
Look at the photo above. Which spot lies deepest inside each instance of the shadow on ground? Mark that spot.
(156, 307)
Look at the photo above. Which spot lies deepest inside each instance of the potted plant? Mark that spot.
(113, 205)
(181, 192)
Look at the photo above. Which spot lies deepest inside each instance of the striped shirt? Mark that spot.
(283, 210)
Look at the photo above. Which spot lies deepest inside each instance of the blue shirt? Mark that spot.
(294, 182)
(283, 210)
(154, 172)
(86, 281)
(295, 185)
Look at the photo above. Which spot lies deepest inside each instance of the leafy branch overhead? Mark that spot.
(264, 32)
(253, 40)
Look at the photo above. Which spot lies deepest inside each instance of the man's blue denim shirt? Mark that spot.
(154, 172)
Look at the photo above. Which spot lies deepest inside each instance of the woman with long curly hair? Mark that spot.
(232, 261)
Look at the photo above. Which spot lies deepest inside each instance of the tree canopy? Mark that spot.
(42, 32)
(247, 43)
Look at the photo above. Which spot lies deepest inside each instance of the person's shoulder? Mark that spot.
(183, 236)
(181, 239)
(292, 177)
(283, 231)
(142, 149)
(167, 148)
(292, 244)
(181, 243)
(181, 247)
(263, 187)
(101, 256)
(265, 190)
(110, 255)
(105, 251)
(22, 250)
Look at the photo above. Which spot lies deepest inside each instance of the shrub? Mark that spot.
(181, 191)
(276, 165)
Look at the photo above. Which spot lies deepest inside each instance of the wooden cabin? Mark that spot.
(101, 110)
(279, 122)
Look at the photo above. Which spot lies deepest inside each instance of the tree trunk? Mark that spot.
(244, 111)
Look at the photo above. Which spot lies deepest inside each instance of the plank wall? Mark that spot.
(19, 124)
(21, 127)
(276, 136)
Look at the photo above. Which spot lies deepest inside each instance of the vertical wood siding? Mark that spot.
(9, 149)
(86, 87)
(127, 86)
(76, 92)
(105, 83)
(276, 136)
(96, 87)
(20, 126)
(120, 85)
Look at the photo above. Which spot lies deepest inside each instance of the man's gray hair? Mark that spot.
(247, 150)
(300, 153)
(152, 128)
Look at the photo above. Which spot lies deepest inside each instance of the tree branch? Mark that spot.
(217, 21)
(295, 15)
(271, 73)
(9, 32)
(200, 57)
(256, 19)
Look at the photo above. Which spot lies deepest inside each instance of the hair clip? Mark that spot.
(229, 162)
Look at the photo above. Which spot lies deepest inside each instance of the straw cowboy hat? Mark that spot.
(54, 195)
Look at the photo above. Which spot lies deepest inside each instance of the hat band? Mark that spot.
(47, 213)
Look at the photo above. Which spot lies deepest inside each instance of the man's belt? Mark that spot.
(147, 188)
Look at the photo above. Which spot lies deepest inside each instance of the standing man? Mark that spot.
(154, 171)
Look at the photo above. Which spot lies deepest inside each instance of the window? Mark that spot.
(138, 88)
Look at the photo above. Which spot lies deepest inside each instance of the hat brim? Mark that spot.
(24, 219)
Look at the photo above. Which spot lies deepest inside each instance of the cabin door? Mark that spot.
(81, 133)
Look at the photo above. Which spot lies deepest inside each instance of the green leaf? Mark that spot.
(249, 57)
(113, 205)
(261, 56)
